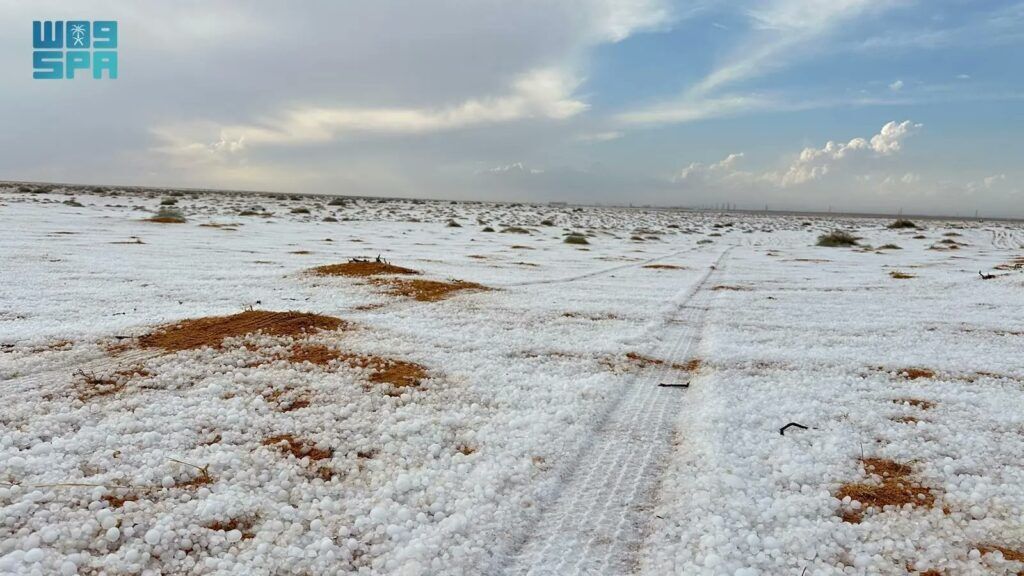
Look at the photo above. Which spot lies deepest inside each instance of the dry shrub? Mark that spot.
(916, 403)
(314, 354)
(664, 267)
(902, 223)
(361, 268)
(298, 447)
(212, 330)
(837, 238)
(897, 487)
(721, 287)
(900, 275)
(90, 386)
(431, 290)
(398, 373)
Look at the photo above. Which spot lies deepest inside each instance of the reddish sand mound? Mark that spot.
(388, 371)
(212, 330)
(361, 268)
(897, 488)
(431, 290)
(314, 354)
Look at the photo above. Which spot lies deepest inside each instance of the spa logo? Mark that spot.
(60, 49)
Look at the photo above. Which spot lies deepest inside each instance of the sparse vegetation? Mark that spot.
(168, 215)
(576, 239)
(837, 238)
(902, 223)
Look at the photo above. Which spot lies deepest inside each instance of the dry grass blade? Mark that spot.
(896, 488)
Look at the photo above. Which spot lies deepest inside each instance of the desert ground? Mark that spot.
(216, 383)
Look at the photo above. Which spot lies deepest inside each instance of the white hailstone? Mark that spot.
(132, 555)
(113, 534)
(153, 536)
(68, 568)
(50, 535)
(234, 535)
(16, 463)
(107, 520)
(167, 481)
(34, 555)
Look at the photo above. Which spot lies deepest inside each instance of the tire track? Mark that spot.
(599, 272)
(594, 525)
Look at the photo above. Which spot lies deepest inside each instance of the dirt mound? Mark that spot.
(212, 330)
(388, 371)
(314, 354)
(431, 290)
(664, 267)
(915, 373)
(897, 488)
(361, 268)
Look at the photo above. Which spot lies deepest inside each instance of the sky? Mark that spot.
(852, 105)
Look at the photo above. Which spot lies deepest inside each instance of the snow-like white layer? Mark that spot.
(450, 477)
(823, 344)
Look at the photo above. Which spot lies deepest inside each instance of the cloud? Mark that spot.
(619, 19)
(693, 109)
(781, 32)
(721, 171)
(515, 167)
(606, 136)
(810, 165)
(545, 94)
(987, 183)
(896, 86)
(815, 163)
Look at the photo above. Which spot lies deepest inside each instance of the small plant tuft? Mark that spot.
(168, 215)
(902, 223)
(837, 238)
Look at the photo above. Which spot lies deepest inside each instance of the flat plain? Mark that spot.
(216, 383)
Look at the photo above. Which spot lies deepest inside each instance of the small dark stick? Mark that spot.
(782, 431)
(667, 385)
(986, 276)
